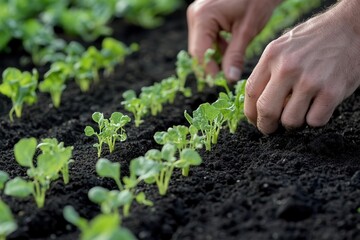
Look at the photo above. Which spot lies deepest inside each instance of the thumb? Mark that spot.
(233, 60)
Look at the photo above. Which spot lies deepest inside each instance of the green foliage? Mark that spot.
(110, 130)
(134, 105)
(114, 52)
(181, 137)
(232, 106)
(146, 13)
(163, 163)
(20, 88)
(103, 226)
(53, 148)
(3, 178)
(285, 15)
(88, 25)
(208, 119)
(110, 201)
(7, 222)
(53, 159)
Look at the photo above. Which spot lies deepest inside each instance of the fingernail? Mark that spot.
(234, 73)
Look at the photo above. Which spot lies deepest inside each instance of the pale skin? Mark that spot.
(301, 77)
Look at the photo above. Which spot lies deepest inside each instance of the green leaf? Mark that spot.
(141, 199)
(160, 137)
(144, 168)
(98, 194)
(191, 157)
(97, 117)
(168, 152)
(105, 168)
(89, 131)
(73, 217)
(24, 151)
(3, 178)
(18, 187)
(7, 222)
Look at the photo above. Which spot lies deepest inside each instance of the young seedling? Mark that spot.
(153, 98)
(48, 167)
(110, 201)
(182, 137)
(103, 226)
(108, 130)
(208, 119)
(20, 87)
(114, 52)
(7, 222)
(167, 161)
(183, 70)
(134, 105)
(52, 147)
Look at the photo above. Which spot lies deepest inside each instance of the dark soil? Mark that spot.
(290, 185)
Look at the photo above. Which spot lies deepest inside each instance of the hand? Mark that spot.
(306, 73)
(243, 18)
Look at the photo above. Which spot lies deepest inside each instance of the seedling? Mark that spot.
(208, 119)
(134, 105)
(63, 154)
(166, 162)
(114, 52)
(183, 70)
(110, 201)
(54, 84)
(49, 164)
(181, 136)
(103, 226)
(20, 87)
(7, 222)
(108, 130)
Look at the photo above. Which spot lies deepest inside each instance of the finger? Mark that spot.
(294, 113)
(255, 85)
(322, 109)
(270, 104)
(203, 30)
(233, 60)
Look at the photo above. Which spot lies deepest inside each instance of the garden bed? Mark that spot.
(290, 185)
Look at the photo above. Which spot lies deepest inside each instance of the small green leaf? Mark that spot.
(97, 117)
(3, 178)
(98, 194)
(7, 222)
(24, 151)
(191, 156)
(168, 152)
(105, 168)
(89, 131)
(18, 187)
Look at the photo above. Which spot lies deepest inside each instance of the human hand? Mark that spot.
(306, 73)
(242, 18)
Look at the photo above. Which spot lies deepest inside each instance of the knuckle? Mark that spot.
(271, 50)
(291, 122)
(264, 111)
(316, 120)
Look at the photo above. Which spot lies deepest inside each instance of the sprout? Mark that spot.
(110, 201)
(103, 226)
(20, 87)
(108, 130)
(53, 160)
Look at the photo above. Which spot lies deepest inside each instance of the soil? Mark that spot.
(290, 185)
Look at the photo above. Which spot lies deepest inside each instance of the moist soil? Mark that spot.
(290, 185)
